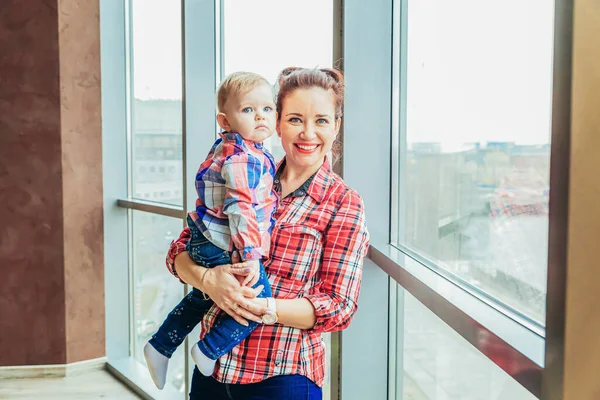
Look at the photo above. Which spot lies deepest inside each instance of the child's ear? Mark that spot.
(338, 124)
(223, 122)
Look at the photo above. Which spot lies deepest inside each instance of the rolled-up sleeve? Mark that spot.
(335, 298)
(177, 246)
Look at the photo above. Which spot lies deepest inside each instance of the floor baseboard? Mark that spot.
(52, 371)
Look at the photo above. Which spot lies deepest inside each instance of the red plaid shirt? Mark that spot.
(318, 245)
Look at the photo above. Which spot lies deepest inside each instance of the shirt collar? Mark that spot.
(316, 186)
(234, 137)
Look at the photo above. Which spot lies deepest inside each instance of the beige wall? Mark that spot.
(582, 336)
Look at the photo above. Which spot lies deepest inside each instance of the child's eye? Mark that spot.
(268, 109)
(322, 121)
(247, 110)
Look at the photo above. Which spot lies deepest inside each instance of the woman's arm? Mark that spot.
(334, 301)
(297, 313)
(335, 298)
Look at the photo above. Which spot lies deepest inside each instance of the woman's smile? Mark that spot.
(306, 148)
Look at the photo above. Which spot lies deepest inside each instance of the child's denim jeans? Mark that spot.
(226, 333)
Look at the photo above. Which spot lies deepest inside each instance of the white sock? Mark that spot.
(157, 365)
(204, 364)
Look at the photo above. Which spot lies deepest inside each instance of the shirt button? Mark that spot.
(278, 357)
(301, 193)
(276, 180)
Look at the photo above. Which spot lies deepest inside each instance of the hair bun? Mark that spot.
(285, 73)
(289, 70)
(334, 74)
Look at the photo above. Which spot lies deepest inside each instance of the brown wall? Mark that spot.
(51, 235)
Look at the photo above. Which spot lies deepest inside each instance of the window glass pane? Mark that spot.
(262, 47)
(436, 363)
(155, 293)
(156, 107)
(475, 144)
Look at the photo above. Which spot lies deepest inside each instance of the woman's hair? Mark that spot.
(238, 83)
(293, 78)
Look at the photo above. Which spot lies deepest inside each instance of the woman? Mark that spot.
(318, 245)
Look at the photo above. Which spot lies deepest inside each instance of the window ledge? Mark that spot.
(134, 375)
(516, 348)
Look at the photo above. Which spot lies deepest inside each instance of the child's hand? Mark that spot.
(250, 269)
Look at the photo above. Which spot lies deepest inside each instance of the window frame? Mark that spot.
(462, 308)
(386, 264)
(202, 21)
(119, 203)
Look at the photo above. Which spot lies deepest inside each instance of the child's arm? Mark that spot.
(242, 174)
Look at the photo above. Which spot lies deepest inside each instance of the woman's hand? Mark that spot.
(256, 306)
(221, 285)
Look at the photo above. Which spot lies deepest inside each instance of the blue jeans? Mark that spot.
(282, 387)
(226, 333)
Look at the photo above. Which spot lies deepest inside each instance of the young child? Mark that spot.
(233, 213)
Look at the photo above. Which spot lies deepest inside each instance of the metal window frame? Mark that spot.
(560, 166)
(200, 70)
(338, 62)
(114, 131)
(198, 82)
(469, 316)
(114, 47)
(462, 309)
(367, 40)
(151, 207)
(456, 314)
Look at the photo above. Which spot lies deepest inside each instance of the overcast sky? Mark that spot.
(478, 70)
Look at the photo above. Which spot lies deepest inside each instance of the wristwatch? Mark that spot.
(270, 317)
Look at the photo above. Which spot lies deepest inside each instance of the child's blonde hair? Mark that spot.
(238, 83)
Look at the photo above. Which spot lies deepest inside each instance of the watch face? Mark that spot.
(269, 319)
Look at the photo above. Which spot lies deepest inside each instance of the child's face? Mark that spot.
(251, 114)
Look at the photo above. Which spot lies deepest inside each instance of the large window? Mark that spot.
(475, 84)
(262, 48)
(434, 362)
(155, 169)
(156, 101)
(161, 63)
(455, 97)
(154, 295)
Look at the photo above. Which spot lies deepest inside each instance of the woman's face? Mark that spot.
(307, 126)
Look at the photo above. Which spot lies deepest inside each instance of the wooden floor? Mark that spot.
(88, 385)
